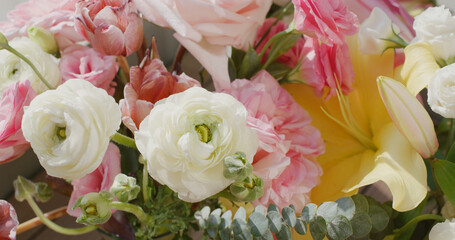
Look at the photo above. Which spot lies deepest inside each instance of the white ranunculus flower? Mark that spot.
(441, 91)
(13, 69)
(448, 3)
(436, 25)
(376, 27)
(186, 137)
(443, 231)
(69, 128)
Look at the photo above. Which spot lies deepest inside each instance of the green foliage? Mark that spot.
(24, 188)
(353, 217)
(445, 176)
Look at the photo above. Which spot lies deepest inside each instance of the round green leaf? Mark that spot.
(226, 220)
(361, 225)
(275, 221)
(289, 216)
(258, 224)
(240, 214)
(379, 218)
(284, 234)
(328, 210)
(309, 211)
(339, 228)
(346, 207)
(273, 207)
(361, 203)
(240, 229)
(300, 226)
(318, 228)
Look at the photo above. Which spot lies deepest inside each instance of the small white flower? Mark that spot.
(186, 137)
(443, 231)
(441, 91)
(436, 25)
(376, 27)
(69, 128)
(13, 69)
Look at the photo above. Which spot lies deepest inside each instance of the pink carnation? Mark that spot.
(86, 63)
(328, 20)
(12, 102)
(100, 179)
(288, 143)
(149, 84)
(8, 221)
(55, 15)
(331, 64)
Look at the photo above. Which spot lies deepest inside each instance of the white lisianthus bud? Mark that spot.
(409, 116)
(44, 38)
(443, 231)
(13, 69)
(186, 137)
(436, 25)
(69, 128)
(441, 94)
(373, 30)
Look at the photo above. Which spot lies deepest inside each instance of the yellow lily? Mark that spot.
(362, 144)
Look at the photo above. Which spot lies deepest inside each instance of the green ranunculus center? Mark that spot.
(205, 135)
(61, 133)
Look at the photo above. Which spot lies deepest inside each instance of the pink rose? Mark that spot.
(205, 28)
(8, 221)
(12, 102)
(327, 20)
(86, 63)
(148, 84)
(55, 15)
(113, 27)
(331, 64)
(98, 180)
(288, 143)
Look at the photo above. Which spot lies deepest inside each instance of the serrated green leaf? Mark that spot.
(328, 210)
(361, 203)
(318, 228)
(240, 214)
(275, 221)
(240, 229)
(273, 207)
(258, 224)
(267, 236)
(361, 225)
(339, 228)
(250, 64)
(309, 211)
(284, 234)
(346, 207)
(289, 216)
(226, 220)
(445, 175)
(300, 226)
(379, 218)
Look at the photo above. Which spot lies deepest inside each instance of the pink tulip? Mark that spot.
(327, 20)
(57, 16)
(100, 179)
(148, 84)
(8, 221)
(113, 27)
(12, 142)
(288, 143)
(86, 63)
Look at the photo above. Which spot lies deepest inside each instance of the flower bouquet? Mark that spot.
(296, 108)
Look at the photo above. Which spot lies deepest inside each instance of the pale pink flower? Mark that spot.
(8, 221)
(57, 16)
(113, 27)
(332, 68)
(205, 28)
(12, 102)
(86, 63)
(327, 20)
(148, 84)
(288, 143)
(100, 179)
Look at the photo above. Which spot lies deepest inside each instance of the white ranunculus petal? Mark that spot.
(175, 154)
(88, 114)
(443, 231)
(441, 91)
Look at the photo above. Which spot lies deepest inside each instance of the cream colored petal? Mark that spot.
(419, 66)
(399, 166)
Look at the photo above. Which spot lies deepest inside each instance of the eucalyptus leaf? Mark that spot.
(346, 207)
(273, 207)
(318, 228)
(361, 225)
(226, 220)
(240, 229)
(361, 203)
(267, 236)
(339, 228)
(289, 216)
(258, 224)
(379, 218)
(240, 214)
(309, 211)
(225, 234)
(300, 226)
(275, 221)
(328, 210)
(284, 234)
(445, 175)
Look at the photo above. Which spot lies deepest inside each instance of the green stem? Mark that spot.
(451, 134)
(25, 59)
(124, 140)
(417, 220)
(54, 226)
(131, 208)
(122, 76)
(280, 15)
(145, 178)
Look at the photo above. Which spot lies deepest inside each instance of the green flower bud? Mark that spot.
(44, 38)
(125, 188)
(43, 192)
(250, 189)
(23, 188)
(3, 41)
(236, 167)
(95, 208)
